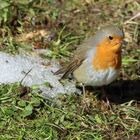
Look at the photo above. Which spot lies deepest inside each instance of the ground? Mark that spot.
(60, 26)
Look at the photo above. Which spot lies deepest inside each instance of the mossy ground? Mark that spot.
(60, 26)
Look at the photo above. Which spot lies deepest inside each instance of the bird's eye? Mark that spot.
(110, 37)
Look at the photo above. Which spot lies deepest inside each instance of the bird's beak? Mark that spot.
(117, 46)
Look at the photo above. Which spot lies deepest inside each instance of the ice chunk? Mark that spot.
(33, 70)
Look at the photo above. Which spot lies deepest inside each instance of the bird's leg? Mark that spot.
(83, 88)
(84, 91)
(104, 95)
(85, 101)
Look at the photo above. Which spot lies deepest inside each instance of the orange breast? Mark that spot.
(106, 56)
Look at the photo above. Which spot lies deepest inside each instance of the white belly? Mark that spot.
(87, 75)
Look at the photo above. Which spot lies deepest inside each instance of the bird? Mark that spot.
(97, 61)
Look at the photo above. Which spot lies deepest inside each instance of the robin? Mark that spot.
(97, 60)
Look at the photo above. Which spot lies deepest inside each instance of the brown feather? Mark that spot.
(69, 68)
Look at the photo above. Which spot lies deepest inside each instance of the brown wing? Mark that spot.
(69, 68)
(79, 57)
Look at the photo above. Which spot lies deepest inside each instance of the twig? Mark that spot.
(25, 76)
(135, 16)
